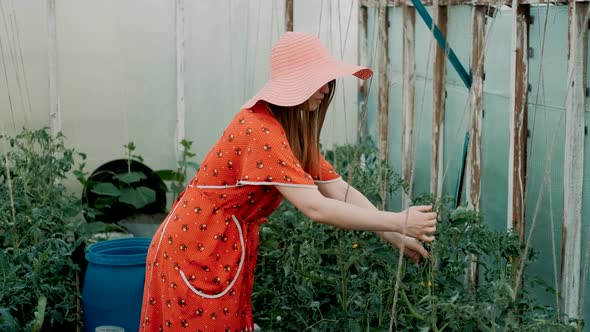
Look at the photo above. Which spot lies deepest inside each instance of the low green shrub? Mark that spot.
(41, 228)
(313, 277)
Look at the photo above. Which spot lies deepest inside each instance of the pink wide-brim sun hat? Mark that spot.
(299, 66)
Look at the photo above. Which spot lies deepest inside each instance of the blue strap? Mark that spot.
(465, 77)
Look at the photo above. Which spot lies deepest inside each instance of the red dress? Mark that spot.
(200, 265)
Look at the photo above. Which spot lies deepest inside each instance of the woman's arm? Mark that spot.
(341, 190)
(418, 220)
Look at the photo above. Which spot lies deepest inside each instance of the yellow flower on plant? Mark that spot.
(355, 245)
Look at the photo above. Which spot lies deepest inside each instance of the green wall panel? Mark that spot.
(544, 195)
(548, 91)
(494, 157)
(422, 135)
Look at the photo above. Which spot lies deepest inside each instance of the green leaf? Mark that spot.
(106, 189)
(7, 321)
(130, 177)
(39, 314)
(303, 292)
(138, 197)
(169, 175)
(351, 260)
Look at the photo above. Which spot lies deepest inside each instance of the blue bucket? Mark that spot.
(113, 284)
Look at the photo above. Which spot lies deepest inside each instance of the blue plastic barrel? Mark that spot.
(113, 284)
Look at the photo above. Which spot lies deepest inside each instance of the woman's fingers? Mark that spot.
(420, 249)
(426, 238)
(423, 208)
(421, 222)
(416, 258)
(428, 222)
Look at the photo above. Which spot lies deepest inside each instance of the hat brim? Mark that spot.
(299, 86)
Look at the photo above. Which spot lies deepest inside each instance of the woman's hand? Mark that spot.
(419, 222)
(413, 249)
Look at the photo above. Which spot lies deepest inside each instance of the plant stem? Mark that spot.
(413, 311)
(78, 307)
(343, 281)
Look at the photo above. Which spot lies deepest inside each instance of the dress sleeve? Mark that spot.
(267, 158)
(327, 173)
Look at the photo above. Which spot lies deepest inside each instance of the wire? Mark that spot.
(21, 58)
(10, 104)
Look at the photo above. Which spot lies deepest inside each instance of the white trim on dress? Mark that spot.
(257, 183)
(241, 264)
(328, 181)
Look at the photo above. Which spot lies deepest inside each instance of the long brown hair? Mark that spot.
(303, 129)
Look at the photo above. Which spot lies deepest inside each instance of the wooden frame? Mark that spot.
(575, 126)
(399, 3)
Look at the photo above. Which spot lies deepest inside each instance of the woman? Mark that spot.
(200, 266)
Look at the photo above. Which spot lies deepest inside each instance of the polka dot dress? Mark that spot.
(200, 265)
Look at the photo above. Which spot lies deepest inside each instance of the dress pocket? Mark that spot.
(199, 292)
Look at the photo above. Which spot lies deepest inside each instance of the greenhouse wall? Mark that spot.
(545, 142)
(116, 69)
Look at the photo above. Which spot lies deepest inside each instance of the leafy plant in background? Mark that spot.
(177, 177)
(313, 277)
(124, 187)
(127, 187)
(40, 229)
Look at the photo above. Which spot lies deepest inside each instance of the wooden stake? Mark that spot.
(573, 172)
(408, 94)
(518, 132)
(474, 154)
(288, 15)
(180, 103)
(438, 95)
(363, 89)
(518, 120)
(383, 102)
(474, 165)
(383, 68)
